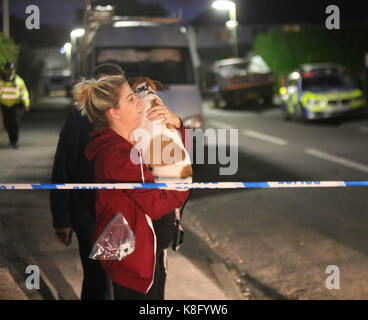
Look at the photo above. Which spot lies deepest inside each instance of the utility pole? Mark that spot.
(86, 26)
(234, 36)
(6, 18)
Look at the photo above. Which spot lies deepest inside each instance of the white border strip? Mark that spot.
(183, 186)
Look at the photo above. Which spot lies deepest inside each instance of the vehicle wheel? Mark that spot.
(301, 115)
(216, 103)
(219, 102)
(224, 104)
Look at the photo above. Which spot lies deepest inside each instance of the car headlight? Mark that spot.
(321, 102)
(193, 122)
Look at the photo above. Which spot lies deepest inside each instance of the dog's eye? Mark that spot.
(141, 89)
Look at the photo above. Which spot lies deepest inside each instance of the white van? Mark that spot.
(160, 52)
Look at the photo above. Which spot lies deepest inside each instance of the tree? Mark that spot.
(8, 50)
(284, 51)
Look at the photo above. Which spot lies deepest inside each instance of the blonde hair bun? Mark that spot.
(83, 92)
(95, 97)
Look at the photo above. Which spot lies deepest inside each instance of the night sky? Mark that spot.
(62, 13)
(54, 12)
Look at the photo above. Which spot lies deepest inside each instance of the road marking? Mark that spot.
(219, 124)
(336, 159)
(265, 137)
(250, 133)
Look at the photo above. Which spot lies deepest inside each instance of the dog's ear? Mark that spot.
(159, 85)
(131, 81)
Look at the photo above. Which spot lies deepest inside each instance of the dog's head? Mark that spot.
(146, 89)
(145, 85)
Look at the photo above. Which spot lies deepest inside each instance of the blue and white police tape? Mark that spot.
(184, 185)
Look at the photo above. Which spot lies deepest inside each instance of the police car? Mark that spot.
(318, 91)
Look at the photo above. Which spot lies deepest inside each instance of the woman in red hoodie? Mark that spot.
(115, 111)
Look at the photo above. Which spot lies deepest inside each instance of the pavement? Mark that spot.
(26, 234)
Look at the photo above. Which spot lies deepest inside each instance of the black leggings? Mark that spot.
(11, 120)
(96, 285)
(157, 291)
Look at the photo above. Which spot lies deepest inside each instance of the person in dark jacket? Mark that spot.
(115, 111)
(75, 210)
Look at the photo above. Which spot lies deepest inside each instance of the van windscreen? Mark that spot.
(168, 65)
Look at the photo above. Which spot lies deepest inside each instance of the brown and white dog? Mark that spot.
(164, 153)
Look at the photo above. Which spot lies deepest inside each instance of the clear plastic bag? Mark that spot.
(115, 242)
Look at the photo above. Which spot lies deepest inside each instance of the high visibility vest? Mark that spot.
(13, 92)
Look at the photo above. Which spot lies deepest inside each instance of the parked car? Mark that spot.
(317, 91)
(240, 80)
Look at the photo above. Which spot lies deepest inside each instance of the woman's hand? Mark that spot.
(64, 235)
(160, 111)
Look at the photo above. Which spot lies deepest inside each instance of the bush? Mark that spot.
(284, 51)
(9, 51)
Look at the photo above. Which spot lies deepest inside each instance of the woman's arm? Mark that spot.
(157, 203)
(62, 172)
(154, 202)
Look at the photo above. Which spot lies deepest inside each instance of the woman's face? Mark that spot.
(130, 108)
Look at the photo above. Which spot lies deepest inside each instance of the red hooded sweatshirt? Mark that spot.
(111, 155)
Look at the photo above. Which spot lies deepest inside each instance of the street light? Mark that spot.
(68, 51)
(232, 23)
(76, 33)
(125, 24)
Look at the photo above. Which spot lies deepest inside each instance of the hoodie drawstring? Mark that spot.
(141, 162)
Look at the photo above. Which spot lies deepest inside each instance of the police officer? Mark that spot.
(13, 98)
